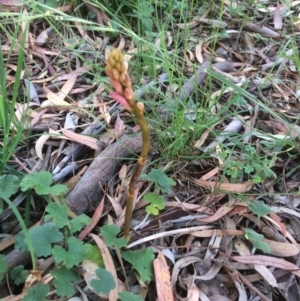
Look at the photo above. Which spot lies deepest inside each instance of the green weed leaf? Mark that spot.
(141, 260)
(40, 182)
(109, 233)
(37, 293)
(9, 185)
(76, 252)
(127, 296)
(78, 222)
(18, 274)
(257, 240)
(58, 189)
(3, 266)
(156, 203)
(51, 3)
(94, 255)
(160, 179)
(64, 279)
(259, 208)
(58, 213)
(106, 282)
(42, 237)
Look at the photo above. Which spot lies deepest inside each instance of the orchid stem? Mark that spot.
(120, 81)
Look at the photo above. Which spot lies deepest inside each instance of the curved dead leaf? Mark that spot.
(268, 261)
(218, 298)
(226, 187)
(90, 268)
(162, 277)
(39, 145)
(82, 139)
(116, 205)
(241, 289)
(282, 249)
(203, 296)
(54, 100)
(277, 17)
(223, 210)
(67, 87)
(193, 292)
(181, 263)
(262, 270)
(187, 206)
(109, 265)
(262, 30)
(213, 271)
(95, 219)
(198, 53)
(209, 232)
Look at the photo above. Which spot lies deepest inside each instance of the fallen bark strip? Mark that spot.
(88, 190)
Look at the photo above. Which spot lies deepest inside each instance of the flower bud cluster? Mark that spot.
(119, 79)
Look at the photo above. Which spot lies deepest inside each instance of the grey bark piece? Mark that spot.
(104, 167)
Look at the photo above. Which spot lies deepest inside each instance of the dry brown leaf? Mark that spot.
(109, 265)
(191, 24)
(223, 210)
(213, 271)
(277, 219)
(240, 210)
(198, 53)
(116, 205)
(226, 187)
(170, 38)
(202, 139)
(39, 145)
(95, 219)
(218, 298)
(119, 127)
(37, 116)
(268, 261)
(282, 249)
(67, 87)
(262, 30)
(105, 113)
(162, 277)
(54, 100)
(241, 289)
(193, 292)
(42, 38)
(277, 17)
(212, 22)
(82, 139)
(7, 243)
(210, 232)
(187, 206)
(180, 264)
(11, 3)
(89, 275)
(122, 43)
(210, 174)
(264, 271)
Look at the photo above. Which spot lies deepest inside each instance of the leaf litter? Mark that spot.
(203, 227)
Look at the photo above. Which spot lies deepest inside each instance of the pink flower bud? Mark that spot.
(117, 86)
(121, 100)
